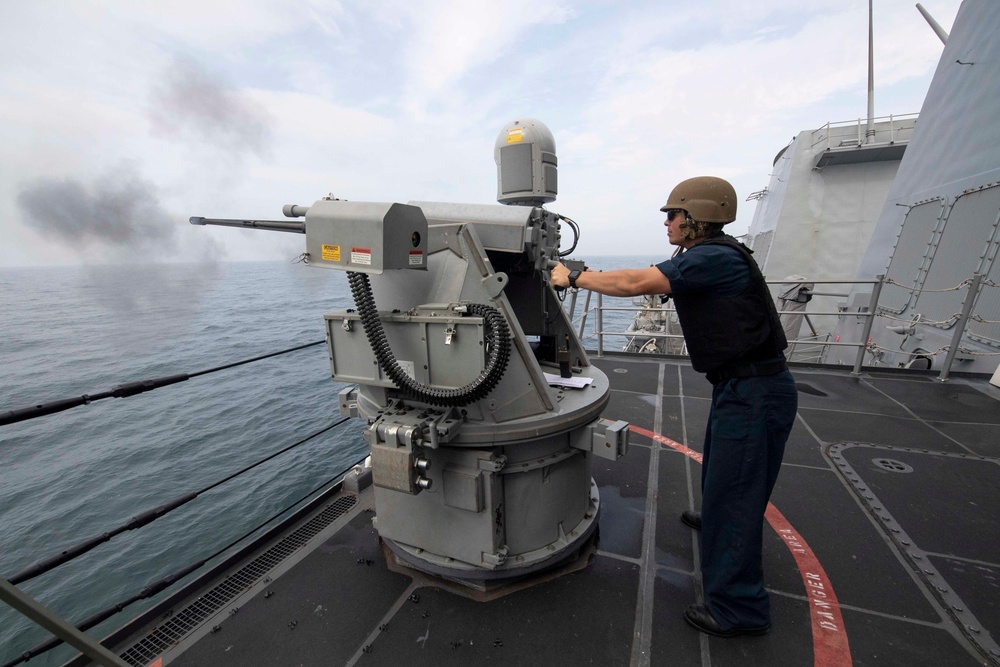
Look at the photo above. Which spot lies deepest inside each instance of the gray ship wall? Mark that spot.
(816, 222)
(939, 223)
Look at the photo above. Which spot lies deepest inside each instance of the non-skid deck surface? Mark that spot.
(890, 482)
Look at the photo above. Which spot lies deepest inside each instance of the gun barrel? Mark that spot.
(270, 225)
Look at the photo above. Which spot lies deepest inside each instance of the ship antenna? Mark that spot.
(870, 129)
(935, 26)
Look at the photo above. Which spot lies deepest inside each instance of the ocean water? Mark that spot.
(69, 331)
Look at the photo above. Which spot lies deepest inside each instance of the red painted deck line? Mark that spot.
(830, 645)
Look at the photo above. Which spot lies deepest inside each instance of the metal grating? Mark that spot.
(181, 623)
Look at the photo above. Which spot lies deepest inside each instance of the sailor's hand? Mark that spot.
(559, 276)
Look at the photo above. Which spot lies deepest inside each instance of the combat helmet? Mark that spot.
(705, 199)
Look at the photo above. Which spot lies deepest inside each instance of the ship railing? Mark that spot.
(813, 347)
(889, 130)
(579, 323)
(817, 350)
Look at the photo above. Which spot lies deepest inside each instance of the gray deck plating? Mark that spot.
(890, 479)
(911, 520)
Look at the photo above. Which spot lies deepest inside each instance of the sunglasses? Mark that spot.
(674, 212)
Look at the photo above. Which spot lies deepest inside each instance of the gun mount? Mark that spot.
(481, 452)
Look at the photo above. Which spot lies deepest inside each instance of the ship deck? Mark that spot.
(882, 546)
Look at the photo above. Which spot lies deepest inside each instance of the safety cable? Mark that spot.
(871, 347)
(964, 283)
(128, 389)
(157, 586)
(144, 518)
(945, 323)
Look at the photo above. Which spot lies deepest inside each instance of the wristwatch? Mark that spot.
(573, 275)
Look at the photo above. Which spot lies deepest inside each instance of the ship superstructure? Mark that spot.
(907, 206)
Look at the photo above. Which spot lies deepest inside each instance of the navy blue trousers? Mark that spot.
(748, 425)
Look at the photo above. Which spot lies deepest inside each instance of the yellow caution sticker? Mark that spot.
(515, 135)
(331, 253)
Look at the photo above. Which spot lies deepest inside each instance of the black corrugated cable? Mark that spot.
(576, 236)
(498, 349)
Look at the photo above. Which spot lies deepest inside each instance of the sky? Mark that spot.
(120, 120)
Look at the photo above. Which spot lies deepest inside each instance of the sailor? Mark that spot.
(734, 336)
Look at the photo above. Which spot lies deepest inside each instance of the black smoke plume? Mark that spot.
(195, 106)
(117, 214)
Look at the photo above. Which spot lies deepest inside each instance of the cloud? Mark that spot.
(450, 40)
(235, 110)
(682, 92)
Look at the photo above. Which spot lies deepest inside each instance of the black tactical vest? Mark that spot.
(722, 330)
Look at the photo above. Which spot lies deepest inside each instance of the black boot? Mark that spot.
(692, 519)
(700, 618)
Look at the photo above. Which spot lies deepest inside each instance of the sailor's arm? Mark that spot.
(623, 282)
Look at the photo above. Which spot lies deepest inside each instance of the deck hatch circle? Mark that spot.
(892, 465)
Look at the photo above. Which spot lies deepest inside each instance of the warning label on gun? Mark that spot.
(361, 256)
(331, 253)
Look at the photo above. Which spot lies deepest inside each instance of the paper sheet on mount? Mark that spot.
(574, 382)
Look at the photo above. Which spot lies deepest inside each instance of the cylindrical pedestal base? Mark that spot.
(516, 566)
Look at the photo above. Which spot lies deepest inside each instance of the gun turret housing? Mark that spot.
(481, 452)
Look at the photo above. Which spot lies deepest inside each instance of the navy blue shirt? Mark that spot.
(714, 268)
